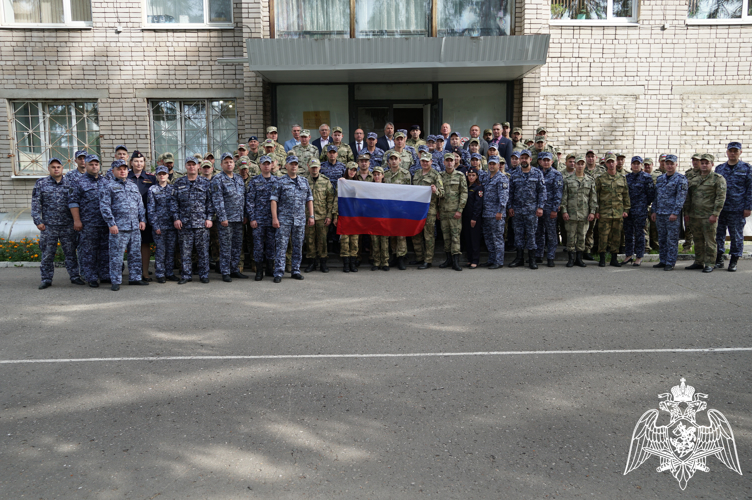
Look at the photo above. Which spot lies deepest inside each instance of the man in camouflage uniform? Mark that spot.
(690, 174)
(540, 147)
(591, 238)
(621, 159)
(228, 200)
(245, 163)
(527, 197)
(641, 195)
(51, 215)
(495, 199)
(415, 141)
(305, 150)
(323, 211)
(518, 142)
(455, 147)
(253, 151)
(332, 169)
(123, 211)
(670, 194)
(546, 237)
(424, 242)
(192, 212)
(290, 202)
(706, 195)
(578, 206)
(279, 149)
(613, 207)
(258, 212)
(270, 149)
(397, 175)
(80, 158)
(376, 154)
(344, 151)
(406, 157)
(738, 204)
(158, 212)
(651, 232)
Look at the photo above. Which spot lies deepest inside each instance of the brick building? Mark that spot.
(648, 77)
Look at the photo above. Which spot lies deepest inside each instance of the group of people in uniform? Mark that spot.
(269, 203)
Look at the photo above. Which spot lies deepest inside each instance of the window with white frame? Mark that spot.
(719, 10)
(594, 11)
(185, 128)
(76, 13)
(188, 13)
(52, 129)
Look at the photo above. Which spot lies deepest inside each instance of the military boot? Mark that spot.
(550, 263)
(447, 262)
(587, 256)
(346, 264)
(353, 265)
(732, 264)
(531, 259)
(570, 262)
(456, 262)
(324, 267)
(311, 266)
(269, 267)
(578, 260)
(520, 259)
(602, 262)
(719, 260)
(259, 272)
(401, 263)
(615, 260)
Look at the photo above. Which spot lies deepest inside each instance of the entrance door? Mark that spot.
(373, 118)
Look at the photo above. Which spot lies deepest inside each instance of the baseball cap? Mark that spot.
(476, 156)
(540, 138)
(191, 159)
(364, 156)
(265, 159)
(671, 158)
(414, 127)
(372, 135)
(78, 153)
(331, 147)
(291, 159)
(225, 155)
(54, 159)
(493, 159)
(506, 124)
(242, 146)
(431, 138)
(269, 143)
(426, 157)
(517, 129)
(449, 156)
(545, 155)
(473, 140)
(118, 164)
(453, 134)
(378, 169)
(315, 162)
(516, 154)
(609, 156)
(734, 145)
(571, 155)
(697, 156)
(92, 158)
(540, 129)
(708, 157)
(269, 130)
(337, 129)
(525, 152)
(162, 170)
(305, 133)
(119, 147)
(648, 161)
(398, 135)
(636, 159)
(351, 165)
(206, 164)
(579, 159)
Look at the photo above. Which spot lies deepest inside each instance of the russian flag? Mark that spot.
(382, 209)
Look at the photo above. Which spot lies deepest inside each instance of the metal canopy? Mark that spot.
(351, 60)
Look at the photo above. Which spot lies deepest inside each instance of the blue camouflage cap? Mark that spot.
(636, 159)
(162, 170)
(92, 158)
(331, 147)
(671, 158)
(545, 155)
(372, 135)
(516, 154)
(431, 138)
(525, 152)
(423, 148)
(734, 145)
(54, 159)
(292, 159)
(494, 159)
(475, 156)
(191, 159)
(78, 153)
(120, 146)
(225, 155)
(454, 133)
(118, 164)
(265, 159)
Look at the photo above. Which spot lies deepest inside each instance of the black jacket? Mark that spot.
(474, 206)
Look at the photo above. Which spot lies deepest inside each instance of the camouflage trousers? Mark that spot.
(230, 247)
(247, 254)
(591, 235)
(197, 238)
(264, 243)
(348, 245)
(214, 241)
(315, 237)
(546, 238)
(48, 239)
(688, 233)
(288, 233)
(576, 233)
(734, 222)
(634, 237)
(380, 250)
(609, 234)
(562, 227)
(493, 234)
(164, 255)
(704, 233)
(525, 228)
(94, 253)
(119, 243)
(451, 228)
(425, 241)
(651, 235)
(399, 245)
(668, 238)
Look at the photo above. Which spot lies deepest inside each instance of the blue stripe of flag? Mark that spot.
(390, 209)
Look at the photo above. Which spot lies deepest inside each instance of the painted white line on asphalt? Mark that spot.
(377, 355)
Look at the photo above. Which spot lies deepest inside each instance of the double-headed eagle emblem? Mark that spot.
(682, 446)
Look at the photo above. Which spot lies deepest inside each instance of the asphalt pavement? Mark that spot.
(389, 385)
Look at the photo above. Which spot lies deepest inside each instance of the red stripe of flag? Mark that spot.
(379, 226)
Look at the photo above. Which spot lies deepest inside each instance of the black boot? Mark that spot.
(520, 259)
(269, 267)
(447, 262)
(531, 259)
(259, 272)
(570, 262)
(311, 266)
(602, 262)
(353, 265)
(578, 260)
(614, 260)
(719, 260)
(732, 264)
(401, 263)
(324, 267)
(346, 264)
(550, 263)
(456, 262)
(539, 260)
(587, 256)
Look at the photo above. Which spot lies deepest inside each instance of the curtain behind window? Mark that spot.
(313, 18)
(474, 17)
(385, 18)
(175, 11)
(34, 11)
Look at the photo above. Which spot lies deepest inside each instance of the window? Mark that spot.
(188, 13)
(313, 18)
(47, 12)
(382, 18)
(584, 11)
(474, 17)
(720, 10)
(44, 130)
(185, 128)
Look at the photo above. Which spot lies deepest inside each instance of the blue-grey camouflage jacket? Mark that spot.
(495, 194)
(291, 196)
(121, 205)
(191, 202)
(49, 202)
(257, 206)
(228, 197)
(158, 202)
(554, 182)
(670, 193)
(738, 186)
(641, 192)
(333, 172)
(527, 191)
(84, 195)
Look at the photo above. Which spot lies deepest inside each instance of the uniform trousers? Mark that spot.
(609, 234)
(348, 245)
(316, 240)
(704, 233)
(576, 234)
(119, 243)
(525, 228)
(197, 238)
(668, 238)
(48, 239)
(493, 234)
(230, 247)
(399, 245)
(288, 233)
(94, 253)
(424, 242)
(380, 250)
(734, 222)
(634, 236)
(546, 238)
(451, 228)
(264, 243)
(164, 255)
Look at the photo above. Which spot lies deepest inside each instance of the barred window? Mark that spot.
(185, 128)
(52, 129)
(47, 12)
(589, 11)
